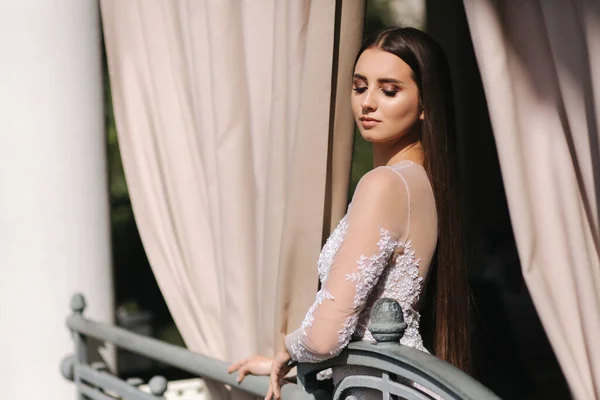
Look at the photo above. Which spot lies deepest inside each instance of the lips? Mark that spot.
(369, 122)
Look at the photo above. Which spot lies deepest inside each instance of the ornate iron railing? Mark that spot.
(385, 366)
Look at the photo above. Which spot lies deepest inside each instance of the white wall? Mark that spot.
(54, 221)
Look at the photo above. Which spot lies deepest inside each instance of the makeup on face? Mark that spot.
(385, 98)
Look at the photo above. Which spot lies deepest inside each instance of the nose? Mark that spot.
(369, 102)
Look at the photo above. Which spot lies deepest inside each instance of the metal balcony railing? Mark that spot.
(398, 370)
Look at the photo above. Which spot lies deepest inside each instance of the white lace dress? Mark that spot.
(381, 248)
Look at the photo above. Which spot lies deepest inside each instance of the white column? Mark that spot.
(54, 215)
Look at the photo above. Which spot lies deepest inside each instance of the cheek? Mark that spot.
(402, 111)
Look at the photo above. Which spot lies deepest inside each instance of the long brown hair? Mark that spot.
(447, 296)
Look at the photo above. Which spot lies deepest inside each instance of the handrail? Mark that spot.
(429, 372)
(173, 355)
(400, 370)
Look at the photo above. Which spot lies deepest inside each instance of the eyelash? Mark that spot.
(388, 93)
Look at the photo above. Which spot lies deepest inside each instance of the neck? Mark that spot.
(408, 147)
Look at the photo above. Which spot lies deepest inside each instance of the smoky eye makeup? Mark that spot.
(359, 84)
(390, 90)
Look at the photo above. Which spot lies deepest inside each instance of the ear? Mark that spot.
(422, 116)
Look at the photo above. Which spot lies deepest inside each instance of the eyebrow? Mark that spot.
(380, 80)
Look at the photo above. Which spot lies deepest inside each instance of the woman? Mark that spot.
(403, 221)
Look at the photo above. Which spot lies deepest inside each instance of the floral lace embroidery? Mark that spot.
(297, 350)
(345, 333)
(369, 269)
(401, 281)
(330, 249)
(308, 320)
(299, 353)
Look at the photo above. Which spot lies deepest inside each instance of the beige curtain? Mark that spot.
(540, 65)
(235, 132)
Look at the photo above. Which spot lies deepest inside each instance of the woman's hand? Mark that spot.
(255, 365)
(279, 370)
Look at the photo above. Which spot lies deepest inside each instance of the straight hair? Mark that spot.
(446, 314)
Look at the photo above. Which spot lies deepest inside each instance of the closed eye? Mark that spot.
(389, 93)
(359, 90)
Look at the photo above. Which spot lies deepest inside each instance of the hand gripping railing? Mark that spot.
(401, 370)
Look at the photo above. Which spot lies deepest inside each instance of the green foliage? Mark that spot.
(118, 185)
(377, 17)
(362, 161)
(170, 334)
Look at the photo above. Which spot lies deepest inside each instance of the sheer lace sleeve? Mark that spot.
(377, 219)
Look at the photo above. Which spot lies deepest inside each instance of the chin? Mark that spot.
(373, 136)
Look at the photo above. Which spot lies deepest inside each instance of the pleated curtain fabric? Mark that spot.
(235, 132)
(540, 65)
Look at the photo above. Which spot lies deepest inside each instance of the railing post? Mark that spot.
(387, 327)
(158, 385)
(81, 351)
(387, 322)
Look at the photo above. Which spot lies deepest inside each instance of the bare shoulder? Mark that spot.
(380, 177)
(380, 182)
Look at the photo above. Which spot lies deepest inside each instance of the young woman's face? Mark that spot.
(385, 98)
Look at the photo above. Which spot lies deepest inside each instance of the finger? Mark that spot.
(242, 373)
(275, 384)
(236, 365)
(277, 391)
(272, 381)
(269, 393)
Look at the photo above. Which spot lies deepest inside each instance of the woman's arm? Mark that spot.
(377, 219)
